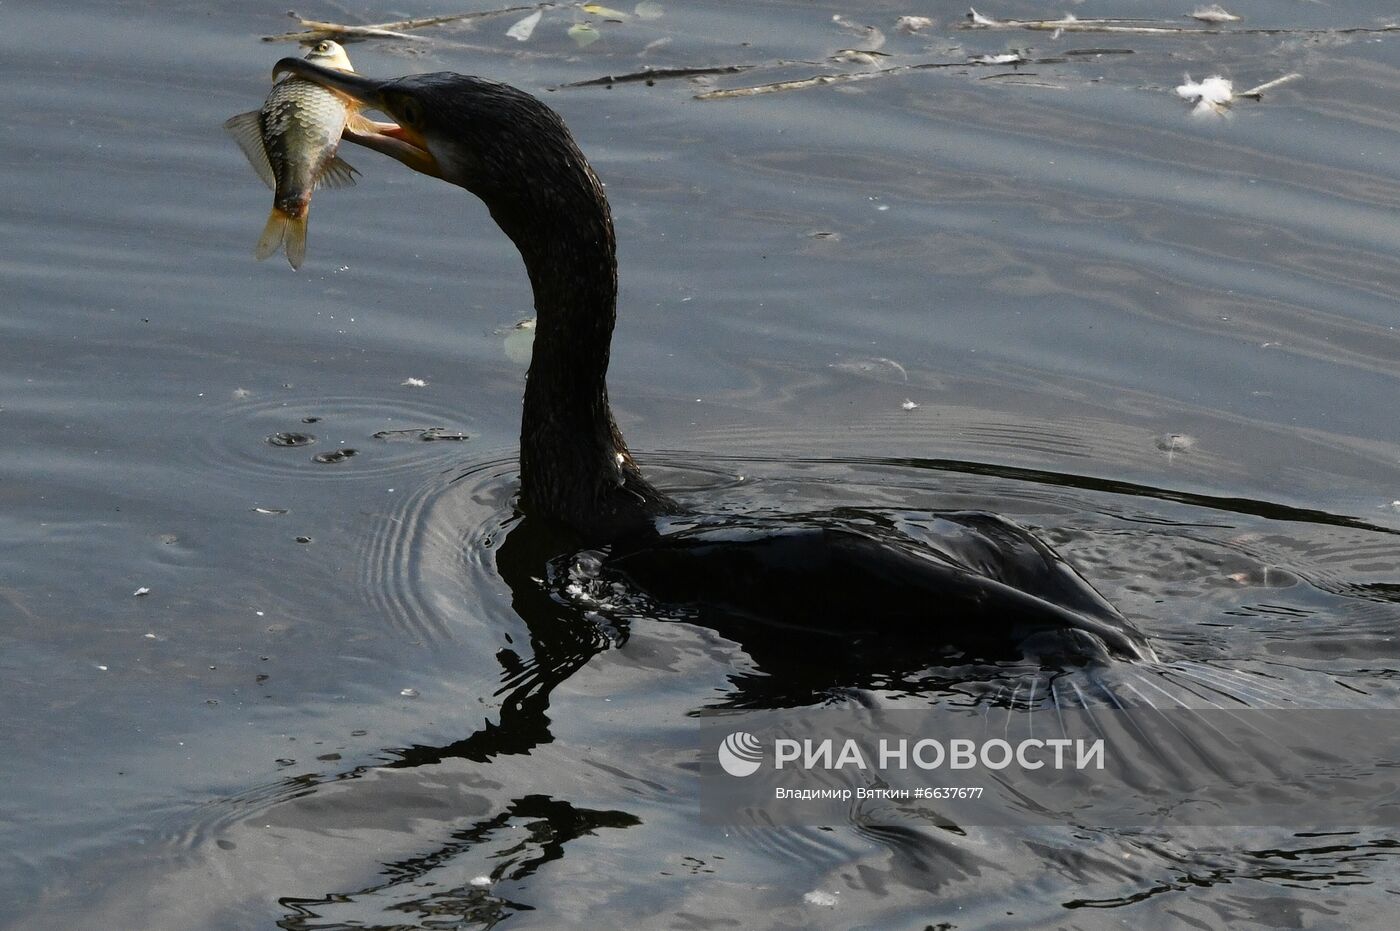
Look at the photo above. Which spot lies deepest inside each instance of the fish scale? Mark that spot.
(301, 127)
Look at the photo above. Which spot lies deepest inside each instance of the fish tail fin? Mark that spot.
(295, 238)
(273, 234)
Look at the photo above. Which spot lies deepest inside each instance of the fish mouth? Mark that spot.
(396, 141)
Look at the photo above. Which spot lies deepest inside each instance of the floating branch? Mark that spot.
(1145, 27)
(313, 30)
(1257, 93)
(659, 74)
(849, 77)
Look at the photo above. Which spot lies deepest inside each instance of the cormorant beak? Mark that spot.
(395, 141)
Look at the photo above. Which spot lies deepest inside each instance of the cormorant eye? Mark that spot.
(408, 111)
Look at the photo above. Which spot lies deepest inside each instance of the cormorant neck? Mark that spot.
(574, 465)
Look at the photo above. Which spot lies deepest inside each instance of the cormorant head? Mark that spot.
(496, 141)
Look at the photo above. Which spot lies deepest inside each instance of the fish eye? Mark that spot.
(322, 47)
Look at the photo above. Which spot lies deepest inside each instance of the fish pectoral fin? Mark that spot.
(338, 173)
(246, 130)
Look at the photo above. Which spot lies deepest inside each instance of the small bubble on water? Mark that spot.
(291, 439)
(334, 456)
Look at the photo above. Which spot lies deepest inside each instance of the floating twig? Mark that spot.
(1256, 93)
(848, 77)
(659, 74)
(1147, 27)
(313, 30)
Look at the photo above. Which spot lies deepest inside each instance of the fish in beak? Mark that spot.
(399, 140)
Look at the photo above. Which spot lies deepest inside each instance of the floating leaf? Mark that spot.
(584, 34)
(522, 30)
(597, 9)
(648, 9)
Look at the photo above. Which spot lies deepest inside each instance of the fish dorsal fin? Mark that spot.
(338, 173)
(246, 130)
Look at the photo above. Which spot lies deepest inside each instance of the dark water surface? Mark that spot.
(1168, 343)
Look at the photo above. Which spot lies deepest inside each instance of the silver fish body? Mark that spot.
(291, 142)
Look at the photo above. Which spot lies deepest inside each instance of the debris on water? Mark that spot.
(413, 383)
(827, 235)
(284, 761)
(275, 512)
(584, 34)
(408, 693)
(1007, 58)
(481, 881)
(241, 393)
(912, 24)
(310, 420)
(1216, 94)
(874, 38)
(291, 439)
(303, 539)
(151, 636)
(334, 456)
(1257, 92)
(649, 75)
(1395, 506)
(857, 56)
(523, 29)
(1173, 443)
(1211, 96)
(143, 590)
(102, 668)
(820, 899)
(313, 30)
(425, 434)
(597, 9)
(1215, 13)
(648, 9)
(909, 405)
